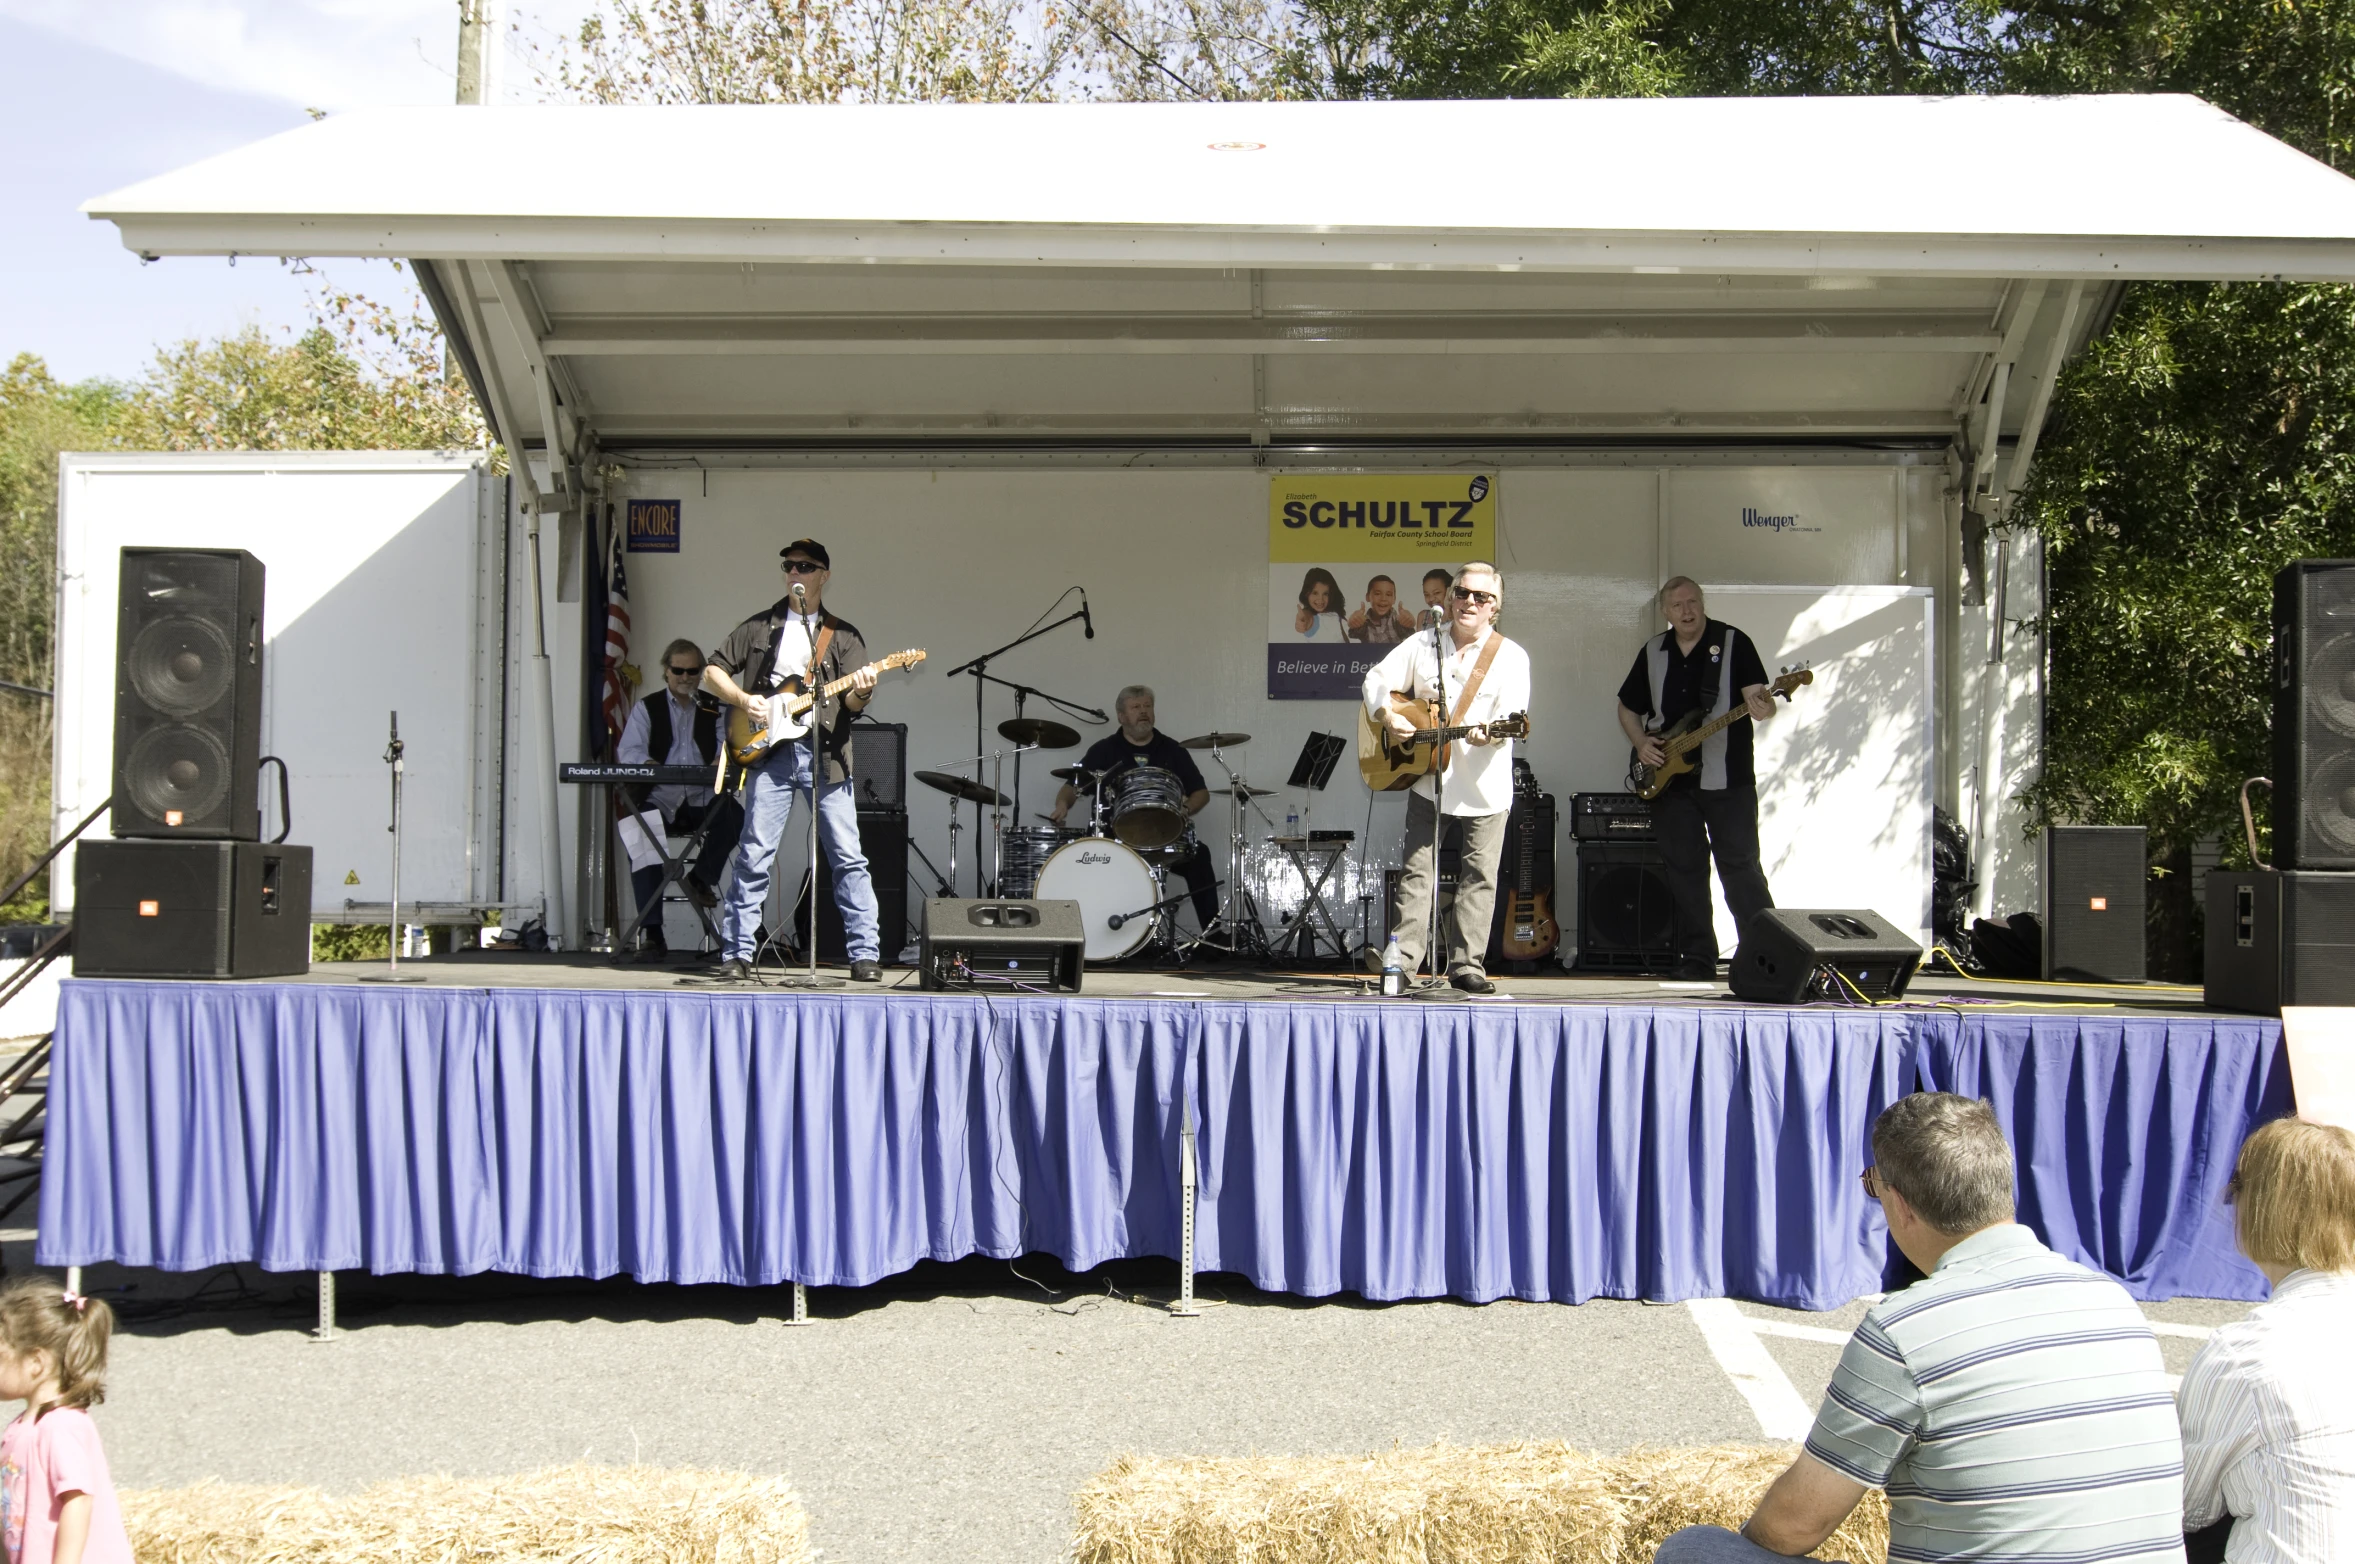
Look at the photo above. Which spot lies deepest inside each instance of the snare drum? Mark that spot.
(1149, 808)
(1108, 881)
(1024, 852)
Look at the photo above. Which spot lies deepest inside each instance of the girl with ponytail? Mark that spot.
(57, 1503)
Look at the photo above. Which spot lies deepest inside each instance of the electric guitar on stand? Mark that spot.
(1392, 765)
(787, 711)
(1526, 930)
(1682, 739)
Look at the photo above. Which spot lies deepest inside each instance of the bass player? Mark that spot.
(745, 670)
(1705, 664)
(1482, 676)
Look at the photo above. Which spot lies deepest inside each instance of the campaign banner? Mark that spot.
(1354, 562)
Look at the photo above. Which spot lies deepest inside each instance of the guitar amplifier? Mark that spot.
(1610, 817)
(1035, 944)
(883, 837)
(1626, 913)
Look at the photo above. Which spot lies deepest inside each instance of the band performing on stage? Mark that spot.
(1440, 713)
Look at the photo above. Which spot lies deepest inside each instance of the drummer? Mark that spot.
(1139, 743)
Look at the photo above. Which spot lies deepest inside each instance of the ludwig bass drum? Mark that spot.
(1109, 881)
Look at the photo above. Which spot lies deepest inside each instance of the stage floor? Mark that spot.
(491, 969)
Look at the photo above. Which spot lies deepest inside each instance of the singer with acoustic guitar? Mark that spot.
(762, 656)
(1460, 677)
(1699, 664)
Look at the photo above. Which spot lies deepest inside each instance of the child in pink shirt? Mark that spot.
(57, 1503)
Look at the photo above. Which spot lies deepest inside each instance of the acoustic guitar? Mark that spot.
(786, 713)
(1392, 765)
(1530, 932)
(1682, 739)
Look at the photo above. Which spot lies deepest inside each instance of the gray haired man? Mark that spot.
(2012, 1404)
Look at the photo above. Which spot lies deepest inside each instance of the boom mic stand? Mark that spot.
(392, 973)
(810, 978)
(983, 678)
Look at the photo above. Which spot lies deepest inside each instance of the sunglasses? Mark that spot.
(802, 567)
(1467, 595)
(681, 673)
(1871, 1180)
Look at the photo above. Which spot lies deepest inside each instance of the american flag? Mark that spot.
(614, 697)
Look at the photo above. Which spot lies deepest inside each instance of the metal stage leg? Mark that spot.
(326, 1330)
(73, 1278)
(801, 1306)
(1184, 1308)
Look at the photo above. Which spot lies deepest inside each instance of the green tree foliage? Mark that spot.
(2196, 449)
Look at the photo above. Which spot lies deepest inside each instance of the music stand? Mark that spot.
(1317, 759)
(1310, 773)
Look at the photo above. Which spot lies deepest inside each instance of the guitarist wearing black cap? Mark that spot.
(745, 670)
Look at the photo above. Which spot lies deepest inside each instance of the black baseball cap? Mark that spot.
(812, 548)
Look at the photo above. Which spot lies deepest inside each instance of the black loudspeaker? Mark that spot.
(2094, 878)
(2280, 937)
(191, 909)
(992, 944)
(1626, 915)
(883, 837)
(1789, 955)
(188, 694)
(2314, 715)
(879, 764)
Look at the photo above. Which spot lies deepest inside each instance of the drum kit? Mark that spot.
(1115, 862)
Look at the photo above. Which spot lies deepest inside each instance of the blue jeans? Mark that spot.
(1713, 1545)
(769, 792)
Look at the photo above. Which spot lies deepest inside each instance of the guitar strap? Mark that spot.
(1472, 684)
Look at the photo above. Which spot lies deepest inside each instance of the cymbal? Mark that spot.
(1214, 741)
(1246, 790)
(962, 787)
(1074, 775)
(1039, 731)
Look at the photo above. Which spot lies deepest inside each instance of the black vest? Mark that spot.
(658, 729)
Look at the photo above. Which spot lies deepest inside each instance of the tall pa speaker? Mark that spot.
(1626, 913)
(2279, 937)
(1002, 943)
(1791, 954)
(191, 909)
(188, 694)
(2094, 878)
(2314, 715)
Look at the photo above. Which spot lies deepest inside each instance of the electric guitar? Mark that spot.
(1681, 739)
(785, 714)
(1527, 917)
(1392, 765)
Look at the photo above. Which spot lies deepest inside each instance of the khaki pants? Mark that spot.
(1475, 904)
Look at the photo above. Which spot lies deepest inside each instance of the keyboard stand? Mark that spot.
(674, 872)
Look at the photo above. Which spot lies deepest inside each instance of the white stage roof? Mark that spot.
(1745, 269)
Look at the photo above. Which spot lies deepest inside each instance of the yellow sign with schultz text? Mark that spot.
(1397, 517)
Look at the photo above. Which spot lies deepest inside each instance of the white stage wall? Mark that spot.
(959, 560)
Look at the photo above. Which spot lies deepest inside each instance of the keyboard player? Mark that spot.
(670, 727)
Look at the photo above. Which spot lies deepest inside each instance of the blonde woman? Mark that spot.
(2268, 1405)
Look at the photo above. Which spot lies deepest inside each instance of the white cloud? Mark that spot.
(330, 54)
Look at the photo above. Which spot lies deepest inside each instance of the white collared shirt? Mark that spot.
(2268, 1410)
(1478, 779)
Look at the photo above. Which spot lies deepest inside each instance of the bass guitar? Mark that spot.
(1529, 932)
(1392, 765)
(785, 714)
(1681, 740)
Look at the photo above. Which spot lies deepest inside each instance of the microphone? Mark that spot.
(799, 595)
(1089, 622)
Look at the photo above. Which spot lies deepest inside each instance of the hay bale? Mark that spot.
(565, 1515)
(1498, 1504)
(1665, 1489)
(1501, 1504)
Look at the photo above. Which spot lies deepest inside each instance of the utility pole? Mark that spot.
(478, 29)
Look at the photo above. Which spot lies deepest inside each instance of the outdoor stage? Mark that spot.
(1570, 1139)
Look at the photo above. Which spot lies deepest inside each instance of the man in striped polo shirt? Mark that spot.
(2013, 1403)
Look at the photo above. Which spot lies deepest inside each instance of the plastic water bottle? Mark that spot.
(1292, 820)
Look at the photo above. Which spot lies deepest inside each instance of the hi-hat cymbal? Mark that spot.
(962, 787)
(1039, 731)
(1074, 775)
(1214, 741)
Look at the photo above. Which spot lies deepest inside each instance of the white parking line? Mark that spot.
(1733, 1341)
(2188, 1332)
(1836, 1338)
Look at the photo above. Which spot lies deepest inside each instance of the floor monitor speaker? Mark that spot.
(2314, 715)
(2280, 937)
(2094, 877)
(188, 694)
(1626, 915)
(1001, 943)
(191, 909)
(1789, 955)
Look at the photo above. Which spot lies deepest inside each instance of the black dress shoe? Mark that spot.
(1472, 981)
(1696, 971)
(652, 955)
(700, 894)
(725, 972)
(866, 972)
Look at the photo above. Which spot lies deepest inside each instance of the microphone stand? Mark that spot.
(982, 678)
(1433, 953)
(810, 978)
(392, 972)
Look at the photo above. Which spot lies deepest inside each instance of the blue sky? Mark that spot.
(96, 94)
